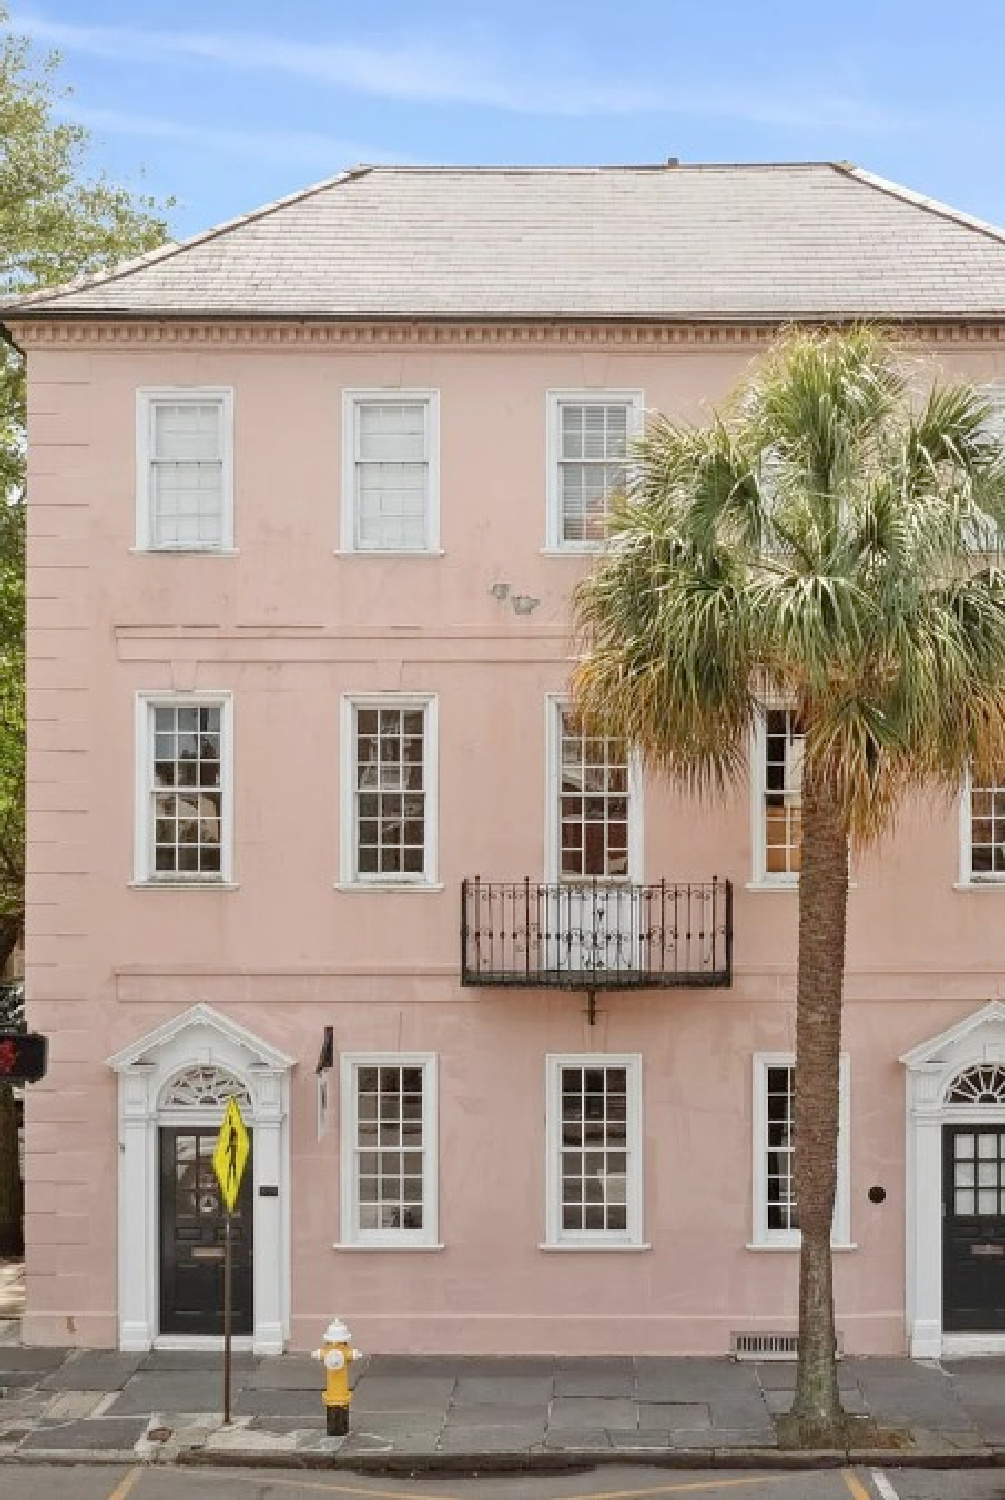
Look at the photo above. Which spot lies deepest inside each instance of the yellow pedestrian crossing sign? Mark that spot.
(231, 1154)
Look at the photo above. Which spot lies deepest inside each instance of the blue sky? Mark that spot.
(226, 105)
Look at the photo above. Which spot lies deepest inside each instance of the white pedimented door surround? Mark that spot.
(161, 1080)
(932, 1069)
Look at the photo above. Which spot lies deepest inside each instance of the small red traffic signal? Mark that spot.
(23, 1056)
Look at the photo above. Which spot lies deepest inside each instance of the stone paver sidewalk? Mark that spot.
(166, 1406)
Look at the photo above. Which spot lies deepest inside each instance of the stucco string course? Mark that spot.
(489, 1410)
(691, 242)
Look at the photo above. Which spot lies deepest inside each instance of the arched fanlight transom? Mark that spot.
(984, 1084)
(204, 1087)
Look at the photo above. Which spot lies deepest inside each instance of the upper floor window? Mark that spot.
(594, 802)
(389, 804)
(594, 1166)
(391, 471)
(778, 774)
(982, 834)
(776, 1214)
(588, 448)
(184, 788)
(389, 1149)
(184, 480)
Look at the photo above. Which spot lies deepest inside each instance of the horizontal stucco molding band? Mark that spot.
(520, 333)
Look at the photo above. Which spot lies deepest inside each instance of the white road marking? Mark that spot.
(884, 1489)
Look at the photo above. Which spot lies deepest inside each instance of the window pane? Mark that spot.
(389, 1177)
(186, 473)
(593, 446)
(594, 1182)
(781, 791)
(593, 829)
(987, 831)
(391, 476)
(780, 1149)
(390, 827)
(186, 823)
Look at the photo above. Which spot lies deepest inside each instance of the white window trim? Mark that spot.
(761, 879)
(555, 1237)
(146, 396)
(351, 1237)
(967, 879)
(789, 1239)
(143, 868)
(349, 878)
(351, 399)
(554, 703)
(634, 400)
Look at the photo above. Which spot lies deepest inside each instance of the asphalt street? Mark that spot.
(606, 1483)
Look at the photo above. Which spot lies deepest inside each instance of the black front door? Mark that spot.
(973, 1228)
(192, 1231)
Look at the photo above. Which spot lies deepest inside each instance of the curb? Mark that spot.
(554, 1461)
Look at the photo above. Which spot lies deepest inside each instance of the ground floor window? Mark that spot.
(776, 1213)
(594, 1165)
(389, 1163)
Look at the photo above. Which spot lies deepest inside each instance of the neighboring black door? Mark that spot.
(973, 1228)
(192, 1238)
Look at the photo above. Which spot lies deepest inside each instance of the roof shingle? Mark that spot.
(694, 242)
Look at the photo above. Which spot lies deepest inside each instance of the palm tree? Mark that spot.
(830, 542)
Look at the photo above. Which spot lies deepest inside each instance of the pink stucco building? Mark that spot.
(307, 498)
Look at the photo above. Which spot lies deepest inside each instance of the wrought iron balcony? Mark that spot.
(596, 935)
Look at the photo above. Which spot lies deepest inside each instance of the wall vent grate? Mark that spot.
(768, 1345)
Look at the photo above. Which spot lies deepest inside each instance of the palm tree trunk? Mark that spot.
(823, 903)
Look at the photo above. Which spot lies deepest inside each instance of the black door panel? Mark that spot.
(973, 1228)
(192, 1235)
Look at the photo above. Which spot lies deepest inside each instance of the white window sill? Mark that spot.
(979, 885)
(385, 1245)
(786, 885)
(774, 1246)
(389, 552)
(587, 550)
(183, 885)
(591, 1246)
(185, 551)
(357, 887)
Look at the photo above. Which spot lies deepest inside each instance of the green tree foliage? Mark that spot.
(57, 222)
(831, 542)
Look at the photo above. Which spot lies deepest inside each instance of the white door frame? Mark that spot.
(146, 1069)
(931, 1069)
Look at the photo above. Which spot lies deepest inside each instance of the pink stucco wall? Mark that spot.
(287, 626)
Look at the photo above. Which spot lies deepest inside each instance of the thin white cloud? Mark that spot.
(448, 74)
(281, 145)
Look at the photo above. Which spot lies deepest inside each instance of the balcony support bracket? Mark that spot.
(591, 1007)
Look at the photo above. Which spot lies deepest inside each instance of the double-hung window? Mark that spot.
(389, 790)
(589, 436)
(389, 1149)
(777, 785)
(184, 789)
(982, 834)
(594, 801)
(776, 1214)
(184, 479)
(594, 1143)
(390, 477)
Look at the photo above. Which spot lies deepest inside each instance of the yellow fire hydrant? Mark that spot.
(337, 1354)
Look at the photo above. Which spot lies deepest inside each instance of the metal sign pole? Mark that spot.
(226, 1325)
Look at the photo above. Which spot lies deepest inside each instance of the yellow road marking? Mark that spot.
(856, 1489)
(691, 1487)
(267, 1480)
(122, 1489)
